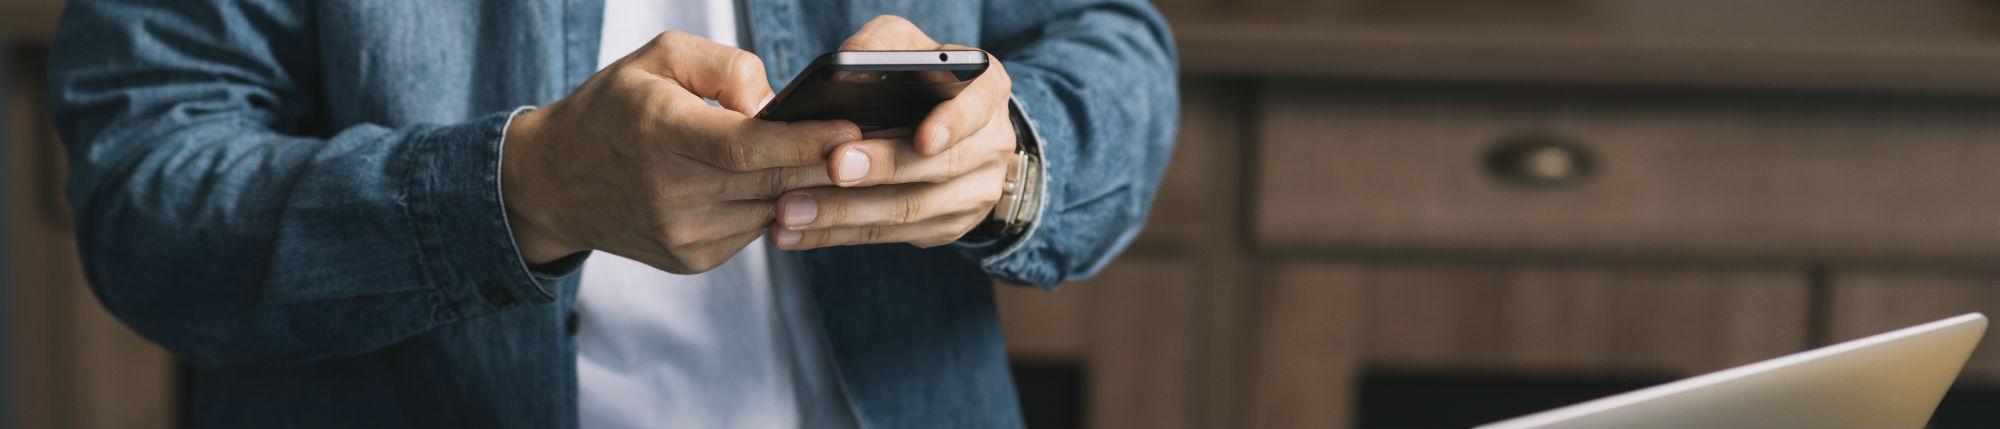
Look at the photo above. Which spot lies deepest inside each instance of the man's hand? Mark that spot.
(926, 190)
(636, 164)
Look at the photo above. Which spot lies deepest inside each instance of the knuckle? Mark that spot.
(702, 261)
(674, 116)
(967, 222)
(735, 157)
(869, 235)
(957, 162)
(773, 182)
(675, 241)
(899, 23)
(744, 65)
(913, 209)
(665, 39)
(984, 201)
(831, 211)
(989, 196)
(889, 20)
(680, 196)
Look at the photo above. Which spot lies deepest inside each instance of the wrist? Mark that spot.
(521, 190)
(1021, 196)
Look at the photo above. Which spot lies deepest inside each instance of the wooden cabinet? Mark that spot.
(1573, 188)
(1320, 324)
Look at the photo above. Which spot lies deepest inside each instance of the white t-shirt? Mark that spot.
(736, 347)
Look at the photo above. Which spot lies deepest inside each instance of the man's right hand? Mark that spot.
(637, 164)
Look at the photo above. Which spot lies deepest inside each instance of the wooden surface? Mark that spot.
(70, 363)
(1920, 45)
(1866, 303)
(28, 20)
(1199, 216)
(1320, 324)
(1200, 193)
(1129, 328)
(1740, 177)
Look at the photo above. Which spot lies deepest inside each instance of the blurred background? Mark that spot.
(1391, 213)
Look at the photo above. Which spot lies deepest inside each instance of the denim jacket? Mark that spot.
(302, 200)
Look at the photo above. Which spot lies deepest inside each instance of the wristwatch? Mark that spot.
(1021, 199)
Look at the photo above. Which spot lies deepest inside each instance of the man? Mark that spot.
(351, 214)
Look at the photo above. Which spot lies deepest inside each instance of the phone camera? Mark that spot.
(943, 57)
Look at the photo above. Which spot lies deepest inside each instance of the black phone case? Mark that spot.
(873, 96)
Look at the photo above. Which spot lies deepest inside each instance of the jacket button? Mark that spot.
(571, 323)
(498, 297)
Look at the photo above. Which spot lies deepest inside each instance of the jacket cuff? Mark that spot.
(1002, 257)
(468, 249)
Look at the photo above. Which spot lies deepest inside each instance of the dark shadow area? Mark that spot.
(1052, 393)
(1433, 399)
(1969, 405)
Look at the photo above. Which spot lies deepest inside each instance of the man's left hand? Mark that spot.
(927, 187)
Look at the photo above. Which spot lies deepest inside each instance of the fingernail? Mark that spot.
(853, 166)
(761, 104)
(788, 237)
(939, 136)
(800, 210)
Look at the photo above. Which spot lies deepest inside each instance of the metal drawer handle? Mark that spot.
(1540, 159)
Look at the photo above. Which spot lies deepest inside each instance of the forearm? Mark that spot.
(1099, 89)
(213, 219)
(235, 245)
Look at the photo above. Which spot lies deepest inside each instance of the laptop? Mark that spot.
(1890, 380)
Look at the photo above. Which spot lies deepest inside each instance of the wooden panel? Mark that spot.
(71, 363)
(28, 19)
(1320, 324)
(31, 303)
(1868, 303)
(1699, 174)
(1198, 218)
(1309, 331)
(1929, 45)
(1130, 327)
(1198, 195)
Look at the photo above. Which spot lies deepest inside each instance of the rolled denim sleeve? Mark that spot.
(1096, 80)
(214, 218)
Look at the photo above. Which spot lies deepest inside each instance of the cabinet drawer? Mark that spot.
(1683, 173)
(1868, 303)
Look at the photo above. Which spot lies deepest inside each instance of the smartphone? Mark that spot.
(876, 89)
